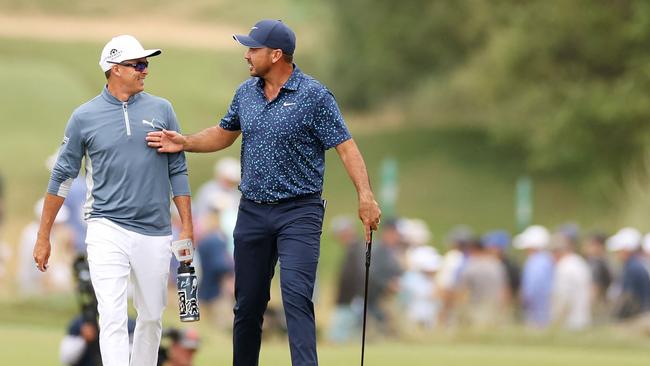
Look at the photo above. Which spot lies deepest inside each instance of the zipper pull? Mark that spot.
(126, 119)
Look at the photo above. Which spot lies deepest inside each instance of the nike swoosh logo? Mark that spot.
(287, 104)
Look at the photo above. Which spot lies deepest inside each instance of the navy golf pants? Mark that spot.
(288, 231)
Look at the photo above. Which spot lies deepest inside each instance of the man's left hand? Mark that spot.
(187, 235)
(370, 215)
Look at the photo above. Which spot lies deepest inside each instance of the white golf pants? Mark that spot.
(114, 254)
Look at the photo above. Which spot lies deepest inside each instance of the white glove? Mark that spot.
(183, 250)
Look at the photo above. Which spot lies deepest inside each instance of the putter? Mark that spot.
(365, 297)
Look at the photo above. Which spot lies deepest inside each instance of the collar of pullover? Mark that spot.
(111, 98)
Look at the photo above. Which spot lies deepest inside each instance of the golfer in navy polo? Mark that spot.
(287, 120)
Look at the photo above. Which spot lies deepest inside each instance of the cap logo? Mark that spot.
(254, 28)
(114, 53)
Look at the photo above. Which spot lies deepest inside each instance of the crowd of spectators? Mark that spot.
(541, 279)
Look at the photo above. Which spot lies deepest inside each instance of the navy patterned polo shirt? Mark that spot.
(284, 140)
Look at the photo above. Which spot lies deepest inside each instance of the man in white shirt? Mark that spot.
(571, 294)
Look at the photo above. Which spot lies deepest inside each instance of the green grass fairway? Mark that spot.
(32, 345)
(30, 332)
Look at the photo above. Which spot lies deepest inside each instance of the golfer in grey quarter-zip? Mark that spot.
(128, 182)
(128, 238)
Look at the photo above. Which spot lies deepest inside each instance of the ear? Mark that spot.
(276, 55)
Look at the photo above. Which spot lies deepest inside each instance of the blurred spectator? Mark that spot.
(74, 202)
(497, 242)
(385, 271)
(571, 232)
(227, 175)
(536, 276)
(350, 286)
(177, 225)
(646, 246)
(418, 286)
(596, 254)
(5, 250)
(275, 323)
(482, 287)
(216, 269)
(80, 346)
(224, 190)
(635, 287)
(414, 232)
(454, 259)
(571, 296)
(2, 200)
(178, 347)
(58, 277)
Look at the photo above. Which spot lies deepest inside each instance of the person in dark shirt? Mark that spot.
(215, 260)
(595, 252)
(179, 347)
(383, 280)
(497, 242)
(345, 320)
(635, 287)
(80, 346)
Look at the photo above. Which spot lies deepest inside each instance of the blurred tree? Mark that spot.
(382, 46)
(566, 81)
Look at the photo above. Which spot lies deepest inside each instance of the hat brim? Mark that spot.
(145, 53)
(522, 243)
(247, 41)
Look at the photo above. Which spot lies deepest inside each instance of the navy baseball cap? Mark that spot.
(269, 33)
(496, 239)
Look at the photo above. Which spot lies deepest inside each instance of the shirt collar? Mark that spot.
(291, 84)
(111, 98)
(294, 79)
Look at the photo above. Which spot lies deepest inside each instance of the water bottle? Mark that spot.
(187, 285)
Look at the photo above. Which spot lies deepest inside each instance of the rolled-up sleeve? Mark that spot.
(68, 161)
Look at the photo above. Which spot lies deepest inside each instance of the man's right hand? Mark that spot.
(166, 141)
(42, 250)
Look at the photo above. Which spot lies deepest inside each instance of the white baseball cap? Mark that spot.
(414, 231)
(534, 237)
(628, 238)
(424, 258)
(122, 48)
(228, 168)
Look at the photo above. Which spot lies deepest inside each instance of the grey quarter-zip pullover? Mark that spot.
(128, 182)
